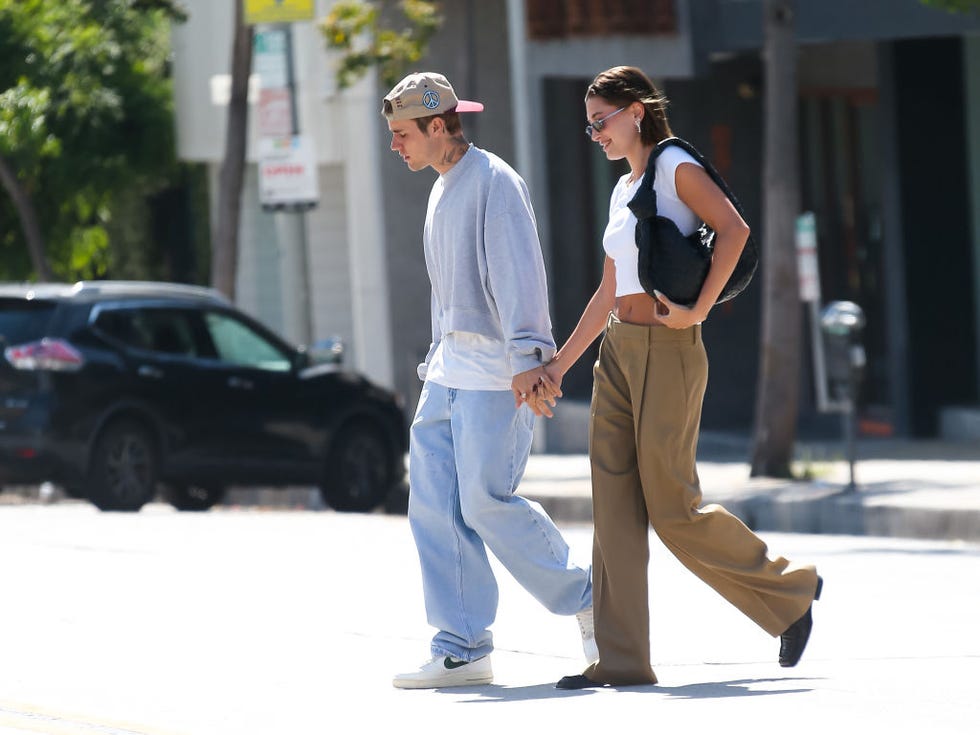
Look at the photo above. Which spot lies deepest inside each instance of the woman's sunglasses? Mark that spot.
(598, 125)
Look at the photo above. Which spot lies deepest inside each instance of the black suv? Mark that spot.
(111, 388)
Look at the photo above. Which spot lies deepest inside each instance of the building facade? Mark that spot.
(890, 166)
(889, 102)
(313, 275)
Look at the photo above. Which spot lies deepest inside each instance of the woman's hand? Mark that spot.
(553, 375)
(545, 394)
(676, 316)
(537, 390)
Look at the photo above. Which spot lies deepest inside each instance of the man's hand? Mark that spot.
(535, 388)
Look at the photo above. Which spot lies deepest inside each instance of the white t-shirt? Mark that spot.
(619, 239)
(470, 361)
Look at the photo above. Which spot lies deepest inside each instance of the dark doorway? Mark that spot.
(580, 180)
(935, 221)
(841, 185)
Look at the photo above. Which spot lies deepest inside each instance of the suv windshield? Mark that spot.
(24, 321)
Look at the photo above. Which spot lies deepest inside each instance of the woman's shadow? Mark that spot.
(703, 690)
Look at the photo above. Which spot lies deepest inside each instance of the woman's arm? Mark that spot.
(696, 189)
(590, 324)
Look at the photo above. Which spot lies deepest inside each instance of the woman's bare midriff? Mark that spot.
(637, 308)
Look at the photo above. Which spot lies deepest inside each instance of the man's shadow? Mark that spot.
(703, 690)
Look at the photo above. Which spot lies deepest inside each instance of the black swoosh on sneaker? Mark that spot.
(450, 664)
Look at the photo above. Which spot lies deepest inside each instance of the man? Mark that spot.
(471, 434)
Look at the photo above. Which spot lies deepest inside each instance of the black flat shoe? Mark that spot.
(577, 681)
(793, 641)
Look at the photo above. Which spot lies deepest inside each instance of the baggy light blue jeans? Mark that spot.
(468, 452)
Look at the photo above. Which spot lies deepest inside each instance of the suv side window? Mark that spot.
(167, 331)
(237, 343)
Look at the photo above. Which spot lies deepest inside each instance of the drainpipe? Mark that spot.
(521, 107)
(520, 95)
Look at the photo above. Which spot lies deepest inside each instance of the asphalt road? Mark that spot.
(249, 622)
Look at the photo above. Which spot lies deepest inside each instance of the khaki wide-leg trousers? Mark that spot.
(646, 411)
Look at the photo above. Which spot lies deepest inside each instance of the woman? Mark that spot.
(646, 408)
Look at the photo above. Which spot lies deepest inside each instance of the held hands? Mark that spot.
(676, 316)
(537, 389)
(555, 374)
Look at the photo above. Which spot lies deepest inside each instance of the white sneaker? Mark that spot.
(446, 671)
(586, 624)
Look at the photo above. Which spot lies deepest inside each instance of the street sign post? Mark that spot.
(287, 173)
(808, 269)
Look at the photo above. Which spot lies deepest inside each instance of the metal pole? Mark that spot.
(293, 236)
(848, 417)
(819, 359)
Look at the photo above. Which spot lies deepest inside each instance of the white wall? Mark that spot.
(329, 260)
(344, 242)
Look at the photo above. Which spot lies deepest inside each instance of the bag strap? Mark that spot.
(644, 203)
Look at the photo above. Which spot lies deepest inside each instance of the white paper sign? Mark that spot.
(287, 171)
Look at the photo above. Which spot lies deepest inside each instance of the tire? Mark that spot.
(123, 468)
(358, 472)
(194, 497)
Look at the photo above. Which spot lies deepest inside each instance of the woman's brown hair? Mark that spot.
(623, 85)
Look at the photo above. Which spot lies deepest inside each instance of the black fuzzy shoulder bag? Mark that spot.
(671, 263)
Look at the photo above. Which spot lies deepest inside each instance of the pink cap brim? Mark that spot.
(468, 106)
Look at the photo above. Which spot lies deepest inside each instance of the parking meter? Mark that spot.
(843, 323)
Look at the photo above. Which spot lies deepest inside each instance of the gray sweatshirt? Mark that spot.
(484, 260)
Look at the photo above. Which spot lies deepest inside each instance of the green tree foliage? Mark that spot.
(358, 29)
(954, 6)
(85, 116)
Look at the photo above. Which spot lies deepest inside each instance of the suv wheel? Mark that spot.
(193, 497)
(123, 470)
(357, 474)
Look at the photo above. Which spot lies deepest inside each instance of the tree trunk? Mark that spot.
(224, 252)
(777, 403)
(28, 220)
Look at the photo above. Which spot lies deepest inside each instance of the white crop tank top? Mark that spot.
(619, 239)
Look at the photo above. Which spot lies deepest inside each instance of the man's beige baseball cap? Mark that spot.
(423, 94)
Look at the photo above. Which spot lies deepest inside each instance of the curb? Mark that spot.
(807, 507)
(823, 509)
(762, 504)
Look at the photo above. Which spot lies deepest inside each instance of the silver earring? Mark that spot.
(636, 121)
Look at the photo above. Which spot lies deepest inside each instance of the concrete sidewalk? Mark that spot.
(905, 488)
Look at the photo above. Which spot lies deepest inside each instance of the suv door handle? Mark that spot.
(235, 382)
(148, 371)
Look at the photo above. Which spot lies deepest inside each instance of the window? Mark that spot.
(24, 321)
(237, 343)
(167, 331)
(561, 18)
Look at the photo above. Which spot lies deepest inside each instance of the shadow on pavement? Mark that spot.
(706, 690)
(734, 688)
